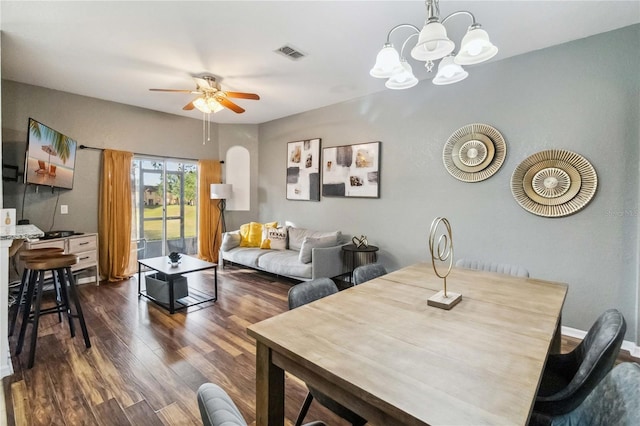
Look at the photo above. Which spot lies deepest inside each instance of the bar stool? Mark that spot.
(59, 265)
(25, 255)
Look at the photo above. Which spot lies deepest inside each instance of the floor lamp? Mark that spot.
(222, 192)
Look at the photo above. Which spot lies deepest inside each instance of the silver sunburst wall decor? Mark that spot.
(554, 183)
(474, 152)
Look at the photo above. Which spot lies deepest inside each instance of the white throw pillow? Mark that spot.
(230, 240)
(310, 243)
(297, 236)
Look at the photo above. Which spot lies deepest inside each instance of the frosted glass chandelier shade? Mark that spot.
(433, 43)
(449, 72)
(387, 63)
(403, 79)
(475, 48)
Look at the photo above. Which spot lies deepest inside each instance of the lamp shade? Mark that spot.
(387, 63)
(220, 191)
(433, 43)
(475, 48)
(449, 72)
(202, 105)
(403, 79)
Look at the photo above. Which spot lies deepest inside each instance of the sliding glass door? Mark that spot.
(165, 206)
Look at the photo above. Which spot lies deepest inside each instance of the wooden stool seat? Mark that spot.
(39, 252)
(25, 255)
(51, 262)
(66, 297)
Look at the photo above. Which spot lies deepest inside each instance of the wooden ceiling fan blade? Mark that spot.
(174, 90)
(189, 106)
(228, 104)
(242, 95)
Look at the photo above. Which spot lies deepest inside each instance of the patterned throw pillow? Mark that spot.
(275, 239)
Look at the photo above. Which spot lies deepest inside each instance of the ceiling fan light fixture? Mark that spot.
(214, 105)
(202, 105)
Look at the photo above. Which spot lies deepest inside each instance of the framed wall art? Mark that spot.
(303, 170)
(351, 170)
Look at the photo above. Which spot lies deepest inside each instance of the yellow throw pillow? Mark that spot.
(251, 233)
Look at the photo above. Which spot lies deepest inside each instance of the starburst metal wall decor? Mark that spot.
(554, 183)
(474, 152)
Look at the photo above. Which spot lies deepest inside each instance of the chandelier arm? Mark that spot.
(461, 12)
(392, 30)
(405, 43)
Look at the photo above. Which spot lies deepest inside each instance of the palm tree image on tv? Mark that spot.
(51, 156)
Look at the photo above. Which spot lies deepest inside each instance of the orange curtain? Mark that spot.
(209, 230)
(114, 214)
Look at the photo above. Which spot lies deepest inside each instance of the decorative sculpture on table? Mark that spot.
(442, 255)
(360, 242)
(174, 259)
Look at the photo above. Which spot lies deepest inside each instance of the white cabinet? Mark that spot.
(85, 246)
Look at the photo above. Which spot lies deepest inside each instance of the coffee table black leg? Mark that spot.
(172, 302)
(139, 269)
(215, 283)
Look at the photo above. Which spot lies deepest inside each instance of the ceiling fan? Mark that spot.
(210, 97)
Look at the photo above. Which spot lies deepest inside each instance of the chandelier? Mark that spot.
(432, 45)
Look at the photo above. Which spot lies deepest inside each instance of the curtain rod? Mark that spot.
(138, 153)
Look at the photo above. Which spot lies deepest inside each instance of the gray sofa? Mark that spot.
(308, 254)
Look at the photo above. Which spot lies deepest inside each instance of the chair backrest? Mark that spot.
(310, 291)
(217, 408)
(591, 360)
(615, 401)
(368, 272)
(501, 268)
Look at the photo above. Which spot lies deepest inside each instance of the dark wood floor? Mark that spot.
(145, 366)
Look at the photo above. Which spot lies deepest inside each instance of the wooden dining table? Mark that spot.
(380, 350)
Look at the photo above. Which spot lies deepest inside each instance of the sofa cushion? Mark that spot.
(310, 243)
(274, 238)
(296, 236)
(252, 233)
(230, 240)
(247, 256)
(284, 262)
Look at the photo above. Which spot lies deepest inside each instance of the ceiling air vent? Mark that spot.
(290, 52)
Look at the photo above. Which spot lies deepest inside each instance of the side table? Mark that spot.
(359, 256)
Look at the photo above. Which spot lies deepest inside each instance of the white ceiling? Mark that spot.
(118, 50)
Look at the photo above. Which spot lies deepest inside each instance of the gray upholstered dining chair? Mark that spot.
(218, 409)
(615, 401)
(299, 295)
(501, 268)
(568, 378)
(368, 272)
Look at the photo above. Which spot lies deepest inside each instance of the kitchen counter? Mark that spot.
(7, 235)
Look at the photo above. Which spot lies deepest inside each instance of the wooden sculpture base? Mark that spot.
(439, 301)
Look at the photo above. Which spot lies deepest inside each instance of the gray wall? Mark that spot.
(581, 96)
(90, 122)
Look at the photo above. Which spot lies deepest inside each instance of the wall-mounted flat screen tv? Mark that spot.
(50, 157)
